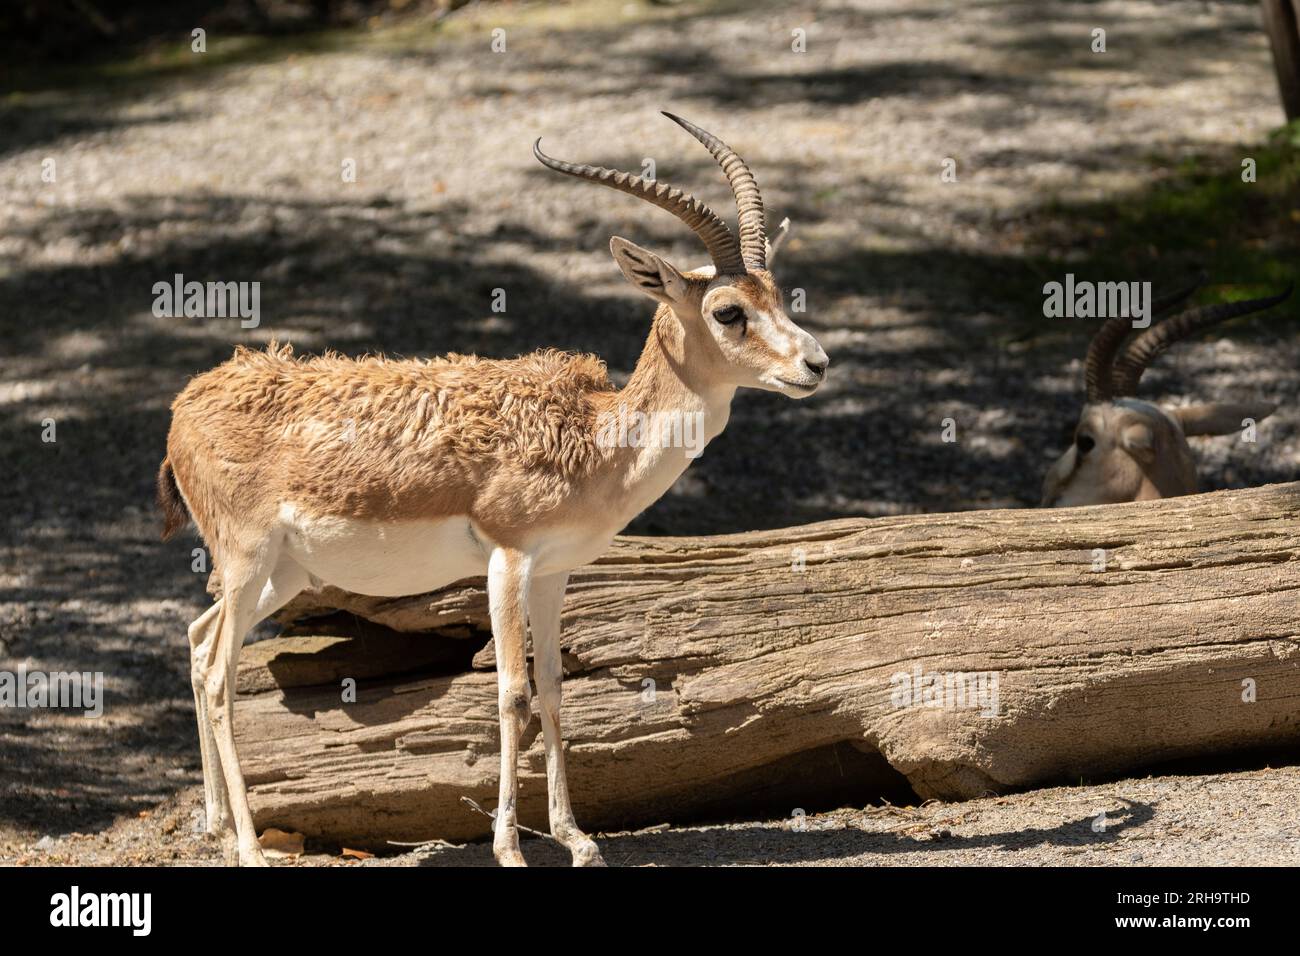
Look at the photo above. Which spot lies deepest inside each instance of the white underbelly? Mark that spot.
(566, 549)
(386, 559)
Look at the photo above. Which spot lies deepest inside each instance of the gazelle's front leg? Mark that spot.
(545, 598)
(509, 574)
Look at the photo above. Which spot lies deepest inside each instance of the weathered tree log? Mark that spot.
(1118, 637)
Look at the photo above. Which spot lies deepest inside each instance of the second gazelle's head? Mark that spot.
(735, 328)
(1125, 449)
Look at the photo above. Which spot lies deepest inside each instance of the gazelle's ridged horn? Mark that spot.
(749, 202)
(713, 232)
(1098, 373)
(1101, 352)
(1143, 350)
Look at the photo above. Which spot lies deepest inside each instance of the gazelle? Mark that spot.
(1125, 449)
(398, 477)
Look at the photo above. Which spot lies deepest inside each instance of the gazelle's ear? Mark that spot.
(654, 276)
(1139, 441)
(774, 242)
(1220, 418)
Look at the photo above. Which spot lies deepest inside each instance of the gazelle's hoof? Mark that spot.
(586, 854)
(253, 857)
(235, 854)
(509, 856)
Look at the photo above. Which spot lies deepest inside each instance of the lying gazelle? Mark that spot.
(398, 477)
(1129, 450)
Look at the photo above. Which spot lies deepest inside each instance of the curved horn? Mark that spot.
(749, 202)
(1101, 352)
(1106, 343)
(1144, 349)
(703, 221)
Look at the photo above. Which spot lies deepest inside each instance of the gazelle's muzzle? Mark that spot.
(806, 371)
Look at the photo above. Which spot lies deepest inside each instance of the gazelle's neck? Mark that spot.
(668, 411)
(666, 380)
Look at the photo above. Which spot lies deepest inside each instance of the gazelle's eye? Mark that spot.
(728, 314)
(1085, 443)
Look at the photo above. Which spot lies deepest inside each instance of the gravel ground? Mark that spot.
(1246, 818)
(231, 171)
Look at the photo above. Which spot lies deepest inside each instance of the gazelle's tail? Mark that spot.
(175, 514)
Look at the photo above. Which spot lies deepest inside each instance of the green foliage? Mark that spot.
(1202, 217)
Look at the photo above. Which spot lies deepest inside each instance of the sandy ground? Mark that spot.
(915, 287)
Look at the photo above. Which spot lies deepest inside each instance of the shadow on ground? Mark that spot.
(760, 845)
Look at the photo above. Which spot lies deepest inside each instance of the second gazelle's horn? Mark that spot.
(712, 230)
(749, 202)
(1101, 352)
(1098, 370)
(1143, 350)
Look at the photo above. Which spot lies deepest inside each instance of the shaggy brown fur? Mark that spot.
(379, 438)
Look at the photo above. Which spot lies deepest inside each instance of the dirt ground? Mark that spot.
(925, 294)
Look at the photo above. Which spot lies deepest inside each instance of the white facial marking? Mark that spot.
(782, 342)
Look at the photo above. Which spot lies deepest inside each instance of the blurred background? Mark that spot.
(127, 155)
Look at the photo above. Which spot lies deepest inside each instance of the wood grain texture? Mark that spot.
(769, 650)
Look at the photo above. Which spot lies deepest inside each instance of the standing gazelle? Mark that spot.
(398, 477)
(1125, 449)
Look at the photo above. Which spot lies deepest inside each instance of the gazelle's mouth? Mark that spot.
(808, 387)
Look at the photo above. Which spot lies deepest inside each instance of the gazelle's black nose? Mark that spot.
(817, 368)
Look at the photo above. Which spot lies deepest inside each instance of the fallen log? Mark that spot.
(971, 652)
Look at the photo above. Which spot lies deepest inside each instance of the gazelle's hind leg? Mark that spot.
(286, 581)
(545, 598)
(244, 577)
(216, 806)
